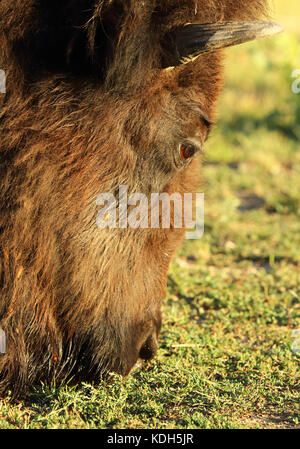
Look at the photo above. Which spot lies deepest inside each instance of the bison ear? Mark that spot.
(189, 41)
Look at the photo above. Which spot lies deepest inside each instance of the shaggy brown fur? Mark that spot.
(88, 108)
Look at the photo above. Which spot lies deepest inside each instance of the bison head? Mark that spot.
(99, 94)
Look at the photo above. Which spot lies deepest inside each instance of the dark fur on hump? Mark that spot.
(87, 109)
(81, 36)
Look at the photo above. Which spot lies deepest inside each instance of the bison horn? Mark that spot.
(191, 40)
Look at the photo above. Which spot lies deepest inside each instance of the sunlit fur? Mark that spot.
(88, 108)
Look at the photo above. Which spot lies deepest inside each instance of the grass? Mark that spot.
(225, 358)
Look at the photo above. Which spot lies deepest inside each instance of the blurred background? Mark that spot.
(251, 176)
(253, 173)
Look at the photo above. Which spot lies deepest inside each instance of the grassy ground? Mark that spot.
(225, 358)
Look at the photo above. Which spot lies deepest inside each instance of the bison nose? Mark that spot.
(149, 348)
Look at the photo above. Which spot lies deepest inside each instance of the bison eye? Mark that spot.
(186, 151)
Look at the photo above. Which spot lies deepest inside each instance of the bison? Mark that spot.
(99, 94)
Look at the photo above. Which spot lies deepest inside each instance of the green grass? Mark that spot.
(225, 358)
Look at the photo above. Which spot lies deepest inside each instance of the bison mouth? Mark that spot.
(146, 354)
